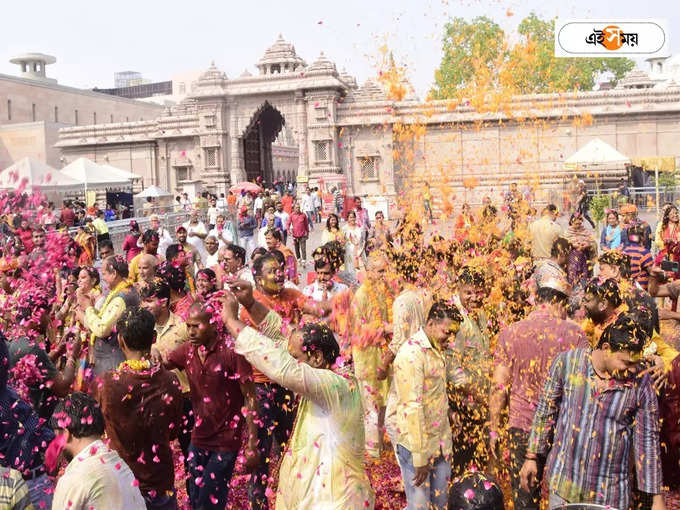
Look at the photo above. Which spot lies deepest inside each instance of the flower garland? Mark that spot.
(135, 365)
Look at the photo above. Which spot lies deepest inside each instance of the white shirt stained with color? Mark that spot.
(321, 293)
(98, 479)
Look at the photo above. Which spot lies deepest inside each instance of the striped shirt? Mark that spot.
(594, 432)
(13, 490)
(640, 261)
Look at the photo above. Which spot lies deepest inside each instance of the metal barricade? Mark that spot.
(119, 229)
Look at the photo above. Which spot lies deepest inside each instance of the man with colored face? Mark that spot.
(221, 385)
(324, 465)
(232, 265)
(471, 362)
(275, 404)
(324, 287)
(423, 442)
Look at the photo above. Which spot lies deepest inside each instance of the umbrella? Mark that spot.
(249, 187)
(153, 191)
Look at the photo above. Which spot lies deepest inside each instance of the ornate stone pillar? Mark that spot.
(237, 170)
(303, 142)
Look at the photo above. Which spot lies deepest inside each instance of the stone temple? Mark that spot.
(312, 124)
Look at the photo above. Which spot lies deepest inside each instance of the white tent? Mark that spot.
(123, 173)
(37, 175)
(153, 191)
(94, 176)
(596, 152)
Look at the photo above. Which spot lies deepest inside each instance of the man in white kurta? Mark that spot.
(323, 467)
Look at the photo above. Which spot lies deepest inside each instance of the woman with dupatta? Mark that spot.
(584, 250)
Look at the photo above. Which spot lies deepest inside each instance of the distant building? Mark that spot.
(33, 107)
(161, 88)
(127, 79)
(228, 130)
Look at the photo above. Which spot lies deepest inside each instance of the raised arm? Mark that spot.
(272, 359)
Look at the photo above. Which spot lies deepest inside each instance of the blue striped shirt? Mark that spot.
(593, 433)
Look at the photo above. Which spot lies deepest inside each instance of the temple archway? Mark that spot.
(258, 137)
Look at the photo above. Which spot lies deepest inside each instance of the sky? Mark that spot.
(92, 40)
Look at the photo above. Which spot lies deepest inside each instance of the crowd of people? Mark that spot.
(497, 359)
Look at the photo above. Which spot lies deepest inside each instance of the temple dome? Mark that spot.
(635, 79)
(322, 65)
(280, 58)
(348, 79)
(211, 82)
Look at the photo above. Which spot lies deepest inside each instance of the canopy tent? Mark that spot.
(123, 173)
(37, 175)
(153, 191)
(94, 176)
(595, 152)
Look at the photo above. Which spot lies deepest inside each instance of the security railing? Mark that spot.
(119, 229)
(643, 197)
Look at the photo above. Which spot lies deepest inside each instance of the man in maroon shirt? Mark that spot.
(68, 216)
(142, 405)
(298, 225)
(522, 360)
(220, 383)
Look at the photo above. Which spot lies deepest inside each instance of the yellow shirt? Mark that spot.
(420, 377)
(134, 266)
(369, 315)
(100, 226)
(101, 323)
(323, 466)
(169, 337)
(543, 232)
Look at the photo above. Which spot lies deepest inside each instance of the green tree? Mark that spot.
(467, 46)
(529, 66)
